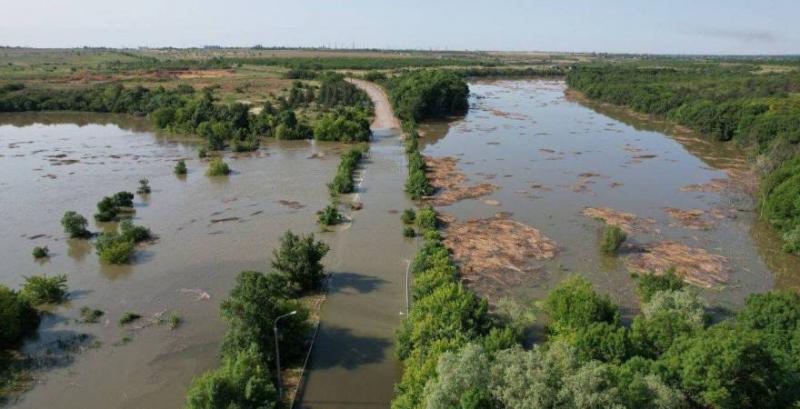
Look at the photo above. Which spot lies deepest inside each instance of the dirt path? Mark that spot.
(384, 116)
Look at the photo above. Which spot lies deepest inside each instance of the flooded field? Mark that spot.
(527, 173)
(209, 229)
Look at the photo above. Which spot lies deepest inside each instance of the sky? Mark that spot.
(617, 26)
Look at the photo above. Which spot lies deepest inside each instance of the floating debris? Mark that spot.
(291, 204)
(495, 253)
(198, 293)
(715, 185)
(692, 218)
(697, 266)
(628, 222)
(448, 181)
(225, 219)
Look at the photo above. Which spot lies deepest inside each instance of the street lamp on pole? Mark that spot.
(278, 352)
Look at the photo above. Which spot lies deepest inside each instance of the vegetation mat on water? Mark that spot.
(628, 222)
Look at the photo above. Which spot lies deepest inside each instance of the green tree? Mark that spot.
(17, 316)
(461, 380)
(298, 259)
(45, 290)
(250, 310)
(725, 368)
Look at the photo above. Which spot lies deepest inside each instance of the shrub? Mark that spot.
(613, 236)
(427, 219)
(45, 290)
(128, 317)
(109, 207)
(409, 215)
(329, 216)
(343, 181)
(241, 382)
(217, 168)
(114, 248)
(17, 316)
(90, 315)
(409, 232)
(298, 259)
(75, 225)
(40, 252)
(573, 304)
(202, 152)
(180, 167)
(144, 187)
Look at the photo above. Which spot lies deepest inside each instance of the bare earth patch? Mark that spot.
(495, 253)
(691, 218)
(444, 175)
(697, 266)
(628, 222)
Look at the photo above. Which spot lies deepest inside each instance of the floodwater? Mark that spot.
(353, 363)
(552, 156)
(209, 229)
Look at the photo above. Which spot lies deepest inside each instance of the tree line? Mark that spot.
(760, 111)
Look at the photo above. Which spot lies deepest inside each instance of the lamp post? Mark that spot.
(278, 353)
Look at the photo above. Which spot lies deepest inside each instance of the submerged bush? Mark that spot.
(90, 315)
(409, 215)
(651, 283)
(40, 252)
(75, 225)
(409, 232)
(128, 317)
(217, 167)
(329, 216)
(45, 290)
(612, 239)
(17, 316)
(144, 187)
(574, 304)
(131, 232)
(114, 248)
(109, 208)
(180, 167)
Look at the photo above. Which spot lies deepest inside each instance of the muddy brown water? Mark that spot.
(192, 256)
(552, 156)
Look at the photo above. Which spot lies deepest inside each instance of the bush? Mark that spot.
(202, 152)
(427, 219)
(40, 252)
(242, 382)
(613, 236)
(409, 232)
(217, 168)
(75, 225)
(573, 304)
(329, 216)
(17, 316)
(109, 207)
(343, 181)
(114, 248)
(45, 290)
(180, 167)
(408, 217)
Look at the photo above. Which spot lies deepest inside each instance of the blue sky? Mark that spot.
(676, 27)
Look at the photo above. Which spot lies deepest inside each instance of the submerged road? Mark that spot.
(353, 364)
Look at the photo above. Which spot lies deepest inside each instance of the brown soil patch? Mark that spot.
(444, 175)
(628, 222)
(697, 266)
(692, 218)
(495, 253)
